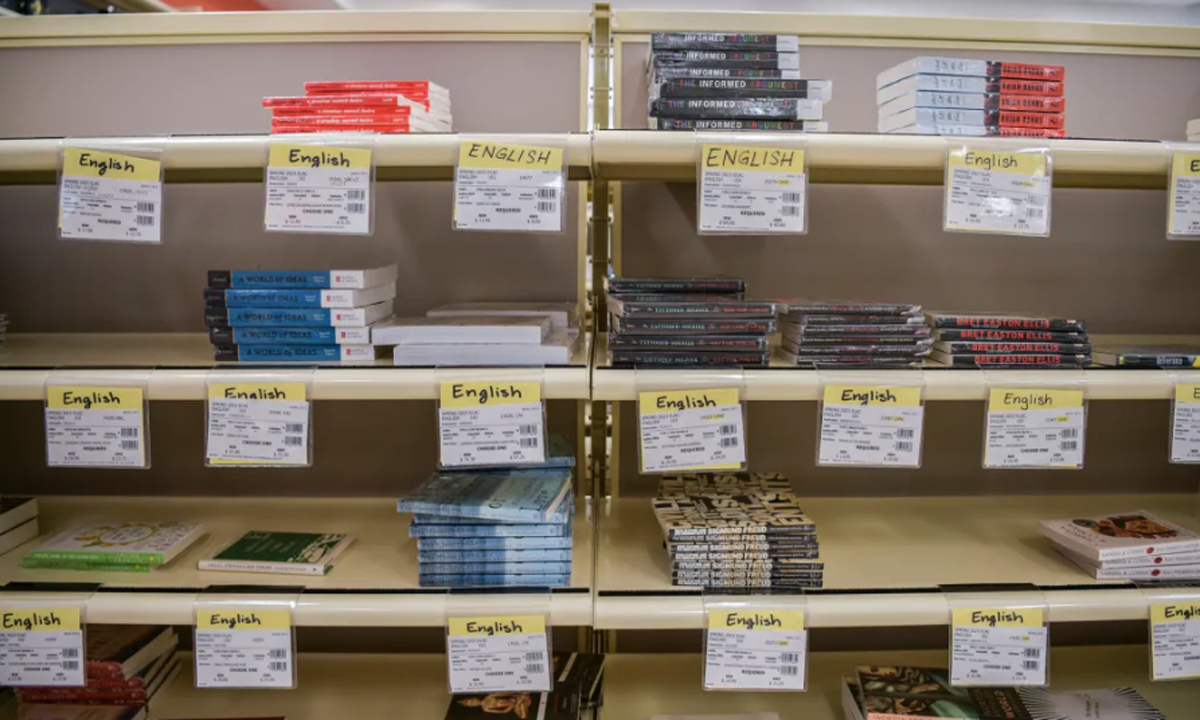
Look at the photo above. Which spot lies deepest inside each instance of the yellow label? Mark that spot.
(669, 401)
(283, 391)
(756, 620)
(81, 162)
(1022, 400)
(507, 156)
(1185, 165)
(498, 625)
(81, 397)
(1028, 163)
(287, 155)
(1187, 393)
(477, 394)
(998, 617)
(243, 618)
(889, 395)
(1174, 612)
(40, 620)
(754, 159)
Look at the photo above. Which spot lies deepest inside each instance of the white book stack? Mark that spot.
(1193, 130)
(483, 334)
(1135, 545)
(18, 522)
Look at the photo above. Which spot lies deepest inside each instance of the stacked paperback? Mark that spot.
(732, 81)
(853, 334)
(297, 316)
(378, 106)
(955, 96)
(117, 546)
(578, 691)
(997, 340)
(126, 666)
(484, 333)
(18, 522)
(737, 530)
(280, 553)
(1135, 545)
(693, 322)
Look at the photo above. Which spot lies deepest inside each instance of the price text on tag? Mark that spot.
(756, 650)
(318, 188)
(1185, 425)
(501, 186)
(1175, 635)
(107, 196)
(95, 426)
(1184, 217)
(871, 425)
(691, 430)
(1034, 428)
(244, 647)
(41, 647)
(499, 654)
(746, 189)
(998, 646)
(492, 423)
(998, 192)
(263, 423)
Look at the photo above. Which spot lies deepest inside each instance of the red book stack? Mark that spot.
(382, 106)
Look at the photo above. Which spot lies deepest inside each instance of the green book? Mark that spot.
(284, 553)
(39, 564)
(120, 543)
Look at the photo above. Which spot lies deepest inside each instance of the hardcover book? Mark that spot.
(1130, 534)
(515, 495)
(284, 553)
(130, 542)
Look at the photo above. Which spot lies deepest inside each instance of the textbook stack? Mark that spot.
(377, 106)
(732, 81)
(853, 334)
(297, 316)
(956, 96)
(1135, 545)
(18, 521)
(998, 340)
(484, 333)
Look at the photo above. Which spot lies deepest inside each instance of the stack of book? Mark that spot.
(687, 322)
(732, 81)
(509, 527)
(578, 691)
(484, 333)
(737, 530)
(1135, 545)
(888, 692)
(127, 665)
(280, 553)
(379, 106)
(955, 96)
(114, 546)
(18, 522)
(297, 316)
(998, 340)
(853, 334)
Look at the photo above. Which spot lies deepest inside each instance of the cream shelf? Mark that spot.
(176, 365)
(373, 585)
(781, 381)
(885, 559)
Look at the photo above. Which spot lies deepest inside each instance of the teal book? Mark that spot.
(519, 496)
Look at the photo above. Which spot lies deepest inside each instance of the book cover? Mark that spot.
(85, 566)
(910, 693)
(494, 543)
(294, 353)
(1110, 704)
(298, 298)
(711, 517)
(490, 580)
(289, 553)
(507, 555)
(1129, 534)
(227, 335)
(1005, 321)
(298, 317)
(515, 495)
(319, 279)
(131, 542)
(562, 703)
(748, 108)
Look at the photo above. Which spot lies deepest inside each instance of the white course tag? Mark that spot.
(747, 189)
(501, 186)
(756, 650)
(95, 426)
(871, 425)
(499, 654)
(1175, 634)
(691, 430)
(244, 648)
(1183, 219)
(1185, 425)
(998, 192)
(492, 423)
(999, 646)
(108, 196)
(318, 188)
(258, 423)
(1034, 428)
(41, 647)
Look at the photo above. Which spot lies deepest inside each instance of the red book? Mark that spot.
(421, 101)
(1031, 103)
(1047, 121)
(62, 695)
(381, 129)
(333, 101)
(424, 88)
(346, 120)
(1017, 86)
(357, 110)
(1031, 132)
(1027, 71)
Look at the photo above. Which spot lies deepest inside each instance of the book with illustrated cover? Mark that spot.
(507, 555)
(1130, 534)
(513, 496)
(284, 553)
(898, 692)
(129, 542)
(722, 483)
(709, 517)
(692, 326)
(495, 543)
(319, 279)
(298, 297)
(479, 329)
(1111, 704)
(1148, 356)
(1005, 321)
(575, 679)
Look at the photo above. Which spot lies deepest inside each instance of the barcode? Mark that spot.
(293, 427)
(791, 211)
(356, 208)
(1070, 445)
(70, 665)
(1037, 213)
(529, 429)
(129, 444)
(1069, 433)
(277, 666)
(729, 442)
(293, 441)
(790, 657)
(789, 669)
(535, 656)
(278, 654)
(905, 433)
(129, 432)
(791, 198)
(547, 206)
(904, 446)
(1033, 652)
(70, 652)
(1030, 664)
(529, 442)
(547, 193)
(728, 429)
(1037, 200)
(147, 207)
(356, 194)
(535, 668)
(145, 220)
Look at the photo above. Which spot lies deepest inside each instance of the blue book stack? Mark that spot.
(297, 316)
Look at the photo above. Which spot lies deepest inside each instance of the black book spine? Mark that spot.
(220, 335)
(214, 299)
(225, 353)
(699, 108)
(979, 335)
(216, 316)
(1008, 323)
(220, 279)
(739, 88)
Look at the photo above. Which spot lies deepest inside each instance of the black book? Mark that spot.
(1005, 321)
(966, 347)
(992, 335)
(745, 88)
(726, 58)
(698, 326)
(739, 124)
(750, 109)
(1040, 360)
(664, 73)
(661, 41)
(689, 359)
(688, 342)
(702, 286)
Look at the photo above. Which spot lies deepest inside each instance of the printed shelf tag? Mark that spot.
(748, 189)
(1034, 428)
(499, 654)
(1185, 424)
(503, 186)
(244, 648)
(999, 646)
(109, 196)
(1183, 216)
(1175, 638)
(262, 423)
(492, 423)
(998, 192)
(41, 646)
(95, 426)
(691, 430)
(319, 188)
(756, 650)
(871, 425)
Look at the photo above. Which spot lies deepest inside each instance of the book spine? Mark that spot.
(1006, 323)
(739, 124)
(728, 58)
(689, 88)
(81, 698)
(664, 72)
(730, 342)
(740, 557)
(496, 543)
(497, 568)
(267, 279)
(111, 558)
(998, 118)
(1049, 336)
(664, 41)
(286, 111)
(378, 119)
(762, 109)
(415, 87)
(1159, 361)
(697, 308)
(742, 582)
(666, 287)
(31, 695)
(492, 556)
(699, 358)
(486, 531)
(244, 297)
(35, 564)
(226, 335)
(1103, 555)
(1159, 572)
(973, 101)
(292, 353)
(1027, 71)
(533, 581)
(261, 567)
(1039, 360)
(1014, 347)
(331, 101)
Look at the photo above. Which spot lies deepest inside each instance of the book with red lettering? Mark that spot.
(977, 131)
(1005, 321)
(973, 101)
(961, 84)
(1138, 533)
(353, 120)
(388, 111)
(406, 87)
(969, 68)
(953, 116)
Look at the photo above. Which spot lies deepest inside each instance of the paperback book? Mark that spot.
(515, 496)
(500, 557)
(283, 553)
(319, 279)
(298, 297)
(712, 517)
(298, 317)
(496, 543)
(130, 542)
(1132, 534)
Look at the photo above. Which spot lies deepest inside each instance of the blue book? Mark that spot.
(298, 298)
(492, 556)
(298, 317)
(562, 516)
(293, 353)
(226, 335)
(350, 279)
(515, 495)
(551, 530)
(495, 568)
(494, 543)
(559, 580)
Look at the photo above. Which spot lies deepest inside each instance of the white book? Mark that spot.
(1193, 128)
(931, 66)
(931, 83)
(358, 298)
(126, 542)
(932, 116)
(467, 329)
(1163, 572)
(360, 317)
(941, 129)
(1139, 561)
(562, 314)
(1131, 534)
(18, 536)
(555, 350)
(16, 510)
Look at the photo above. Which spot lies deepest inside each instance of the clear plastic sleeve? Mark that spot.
(489, 631)
(1034, 423)
(870, 418)
(110, 191)
(751, 185)
(43, 643)
(756, 642)
(1174, 645)
(320, 183)
(245, 641)
(497, 422)
(508, 184)
(997, 640)
(695, 421)
(1185, 418)
(94, 421)
(998, 187)
(258, 418)
(1183, 192)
